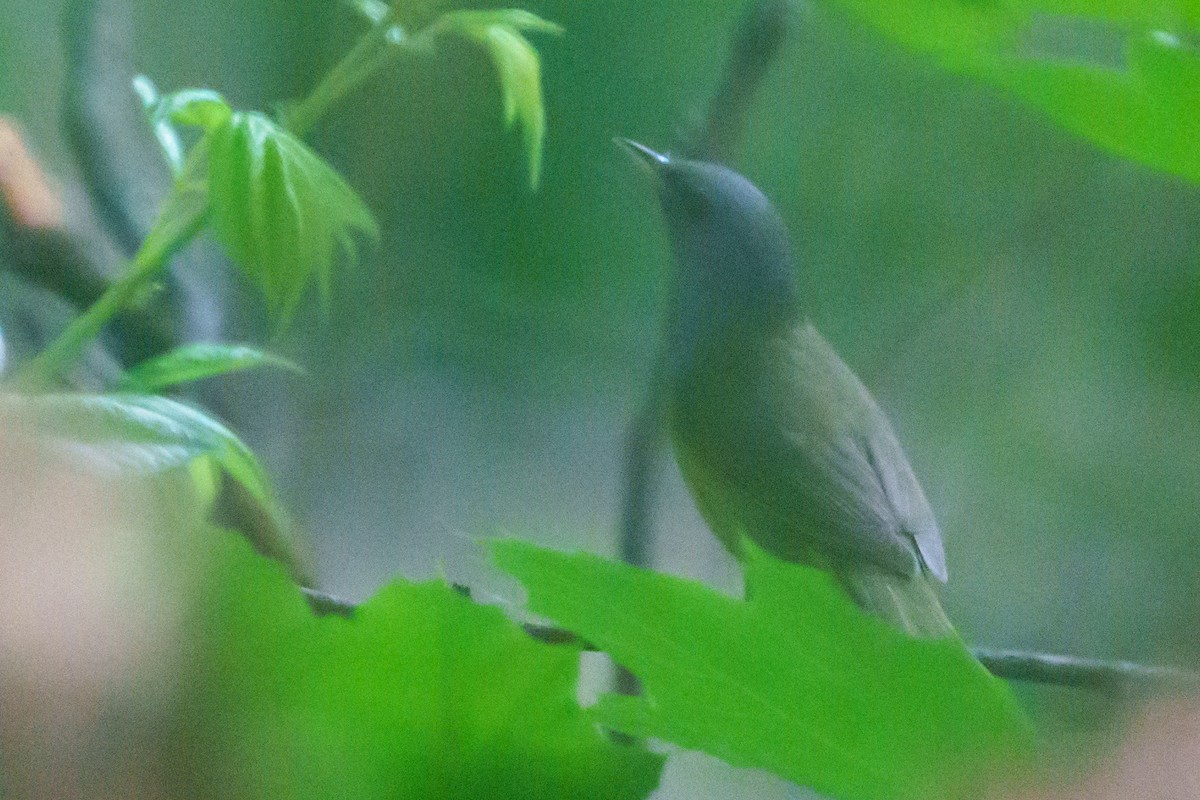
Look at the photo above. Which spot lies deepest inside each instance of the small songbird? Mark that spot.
(777, 439)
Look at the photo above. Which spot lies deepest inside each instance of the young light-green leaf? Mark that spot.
(193, 362)
(420, 694)
(281, 212)
(139, 434)
(135, 433)
(517, 64)
(795, 680)
(197, 107)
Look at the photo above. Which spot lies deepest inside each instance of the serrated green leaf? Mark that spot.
(517, 64)
(196, 361)
(1144, 107)
(420, 694)
(795, 680)
(281, 212)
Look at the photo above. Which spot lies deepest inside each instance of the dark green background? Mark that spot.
(1024, 305)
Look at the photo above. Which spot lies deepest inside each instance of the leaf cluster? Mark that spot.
(518, 66)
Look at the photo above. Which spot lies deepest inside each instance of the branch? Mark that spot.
(1111, 677)
(1107, 677)
(373, 50)
(715, 133)
(37, 246)
(96, 46)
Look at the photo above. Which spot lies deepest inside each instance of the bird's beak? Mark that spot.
(652, 161)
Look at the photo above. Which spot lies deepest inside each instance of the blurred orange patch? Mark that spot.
(25, 187)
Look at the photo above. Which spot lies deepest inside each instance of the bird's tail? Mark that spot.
(910, 604)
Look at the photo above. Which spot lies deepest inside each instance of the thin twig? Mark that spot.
(1084, 673)
(95, 38)
(89, 56)
(371, 52)
(1109, 677)
(181, 218)
(715, 133)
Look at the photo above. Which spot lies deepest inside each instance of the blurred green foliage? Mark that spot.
(280, 211)
(518, 65)
(1124, 74)
(133, 434)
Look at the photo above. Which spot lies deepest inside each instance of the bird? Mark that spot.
(777, 439)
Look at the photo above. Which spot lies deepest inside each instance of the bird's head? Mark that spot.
(734, 262)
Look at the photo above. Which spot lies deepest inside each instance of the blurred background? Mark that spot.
(1026, 307)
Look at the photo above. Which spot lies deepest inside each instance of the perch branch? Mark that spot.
(1084, 673)
(1110, 677)
(714, 134)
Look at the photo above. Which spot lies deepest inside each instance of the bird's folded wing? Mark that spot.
(820, 467)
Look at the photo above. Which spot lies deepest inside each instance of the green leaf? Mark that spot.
(420, 694)
(193, 362)
(197, 107)
(201, 108)
(280, 211)
(1143, 105)
(795, 680)
(517, 64)
(137, 434)
(133, 433)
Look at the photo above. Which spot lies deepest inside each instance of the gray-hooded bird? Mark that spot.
(777, 439)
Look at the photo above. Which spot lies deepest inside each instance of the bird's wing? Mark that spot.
(906, 497)
(806, 464)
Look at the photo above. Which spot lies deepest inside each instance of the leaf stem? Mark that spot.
(177, 225)
(374, 49)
